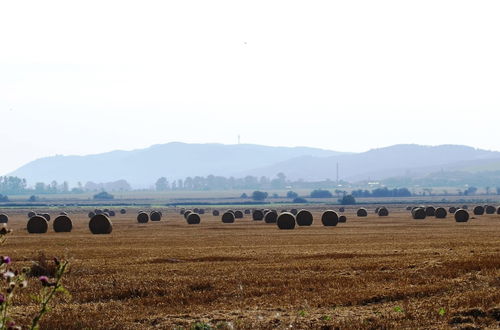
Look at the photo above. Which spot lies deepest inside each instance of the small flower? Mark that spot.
(5, 260)
(8, 275)
(45, 281)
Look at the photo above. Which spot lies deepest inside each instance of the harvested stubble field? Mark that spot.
(368, 273)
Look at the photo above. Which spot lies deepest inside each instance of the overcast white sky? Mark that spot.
(81, 77)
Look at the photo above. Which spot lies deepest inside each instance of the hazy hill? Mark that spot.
(175, 160)
(377, 164)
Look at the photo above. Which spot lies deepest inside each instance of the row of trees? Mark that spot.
(382, 192)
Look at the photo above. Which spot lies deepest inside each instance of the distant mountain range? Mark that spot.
(141, 168)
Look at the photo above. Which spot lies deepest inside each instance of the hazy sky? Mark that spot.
(80, 77)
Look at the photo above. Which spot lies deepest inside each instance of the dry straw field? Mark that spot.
(368, 273)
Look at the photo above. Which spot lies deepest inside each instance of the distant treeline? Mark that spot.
(382, 192)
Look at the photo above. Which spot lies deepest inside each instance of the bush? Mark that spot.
(244, 195)
(259, 195)
(103, 196)
(292, 194)
(319, 193)
(347, 200)
(299, 200)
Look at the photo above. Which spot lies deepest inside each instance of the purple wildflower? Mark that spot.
(5, 260)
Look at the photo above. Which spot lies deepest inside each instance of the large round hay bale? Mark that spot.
(123, 211)
(100, 224)
(430, 211)
(362, 212)
(478, 210)
(62, 224)
(419, 213)
(490, 209)
(46, 216)
(461, 215)
(31, 214)
(285, 221)
(193, 219)
(187, 213)
(342, 219)
(294, 211)
(258, 215)
(271, 217)
(452, 210)
(142, 217)
(247, 211)
(342, 209)
(37, 225)
(4, 218)
(155, 216)
(440, 213)
(215, 213)
(238, 214)
(228, 217)
(112, 213)
(330, 218)
(383, 212)
(91, 214)
(304, 218)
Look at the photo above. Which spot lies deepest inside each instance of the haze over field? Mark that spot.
(80, 78)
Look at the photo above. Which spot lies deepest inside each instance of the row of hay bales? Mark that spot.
(381, 211)
(423, 212)
(106, 212)
(288, 220)
(144, 217)
(38, 224)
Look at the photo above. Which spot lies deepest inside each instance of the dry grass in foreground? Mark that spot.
(369, 273)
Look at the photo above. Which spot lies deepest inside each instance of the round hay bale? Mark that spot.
(498, 210)
(304, 218)
(342, 219)
(62, 224)
(478, 210)
(285, 221)
(193, 219)
(362, 212)
(187, 213)
(383, 212)
(430, 211)
(258, 215)
(31, 214)
(294, 211)
(271, 217)
(46, 216)
(330, 218)
(155, 216)
(419, 213)
(376, 210)
(98, 211)
(106, 211)
(342, 209)
(182, 211)
(238, 214)
(461, 216)
(247, 211)
(452, 210)
(112, 213)
(142, 217)
(91, 214)
(100, 224)
(37, 225)
(123, 211)
(201, 211)
(440, 213)
(196, 210)
(228, 217)
(490, 209)
(4, 218)
(215, 213)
